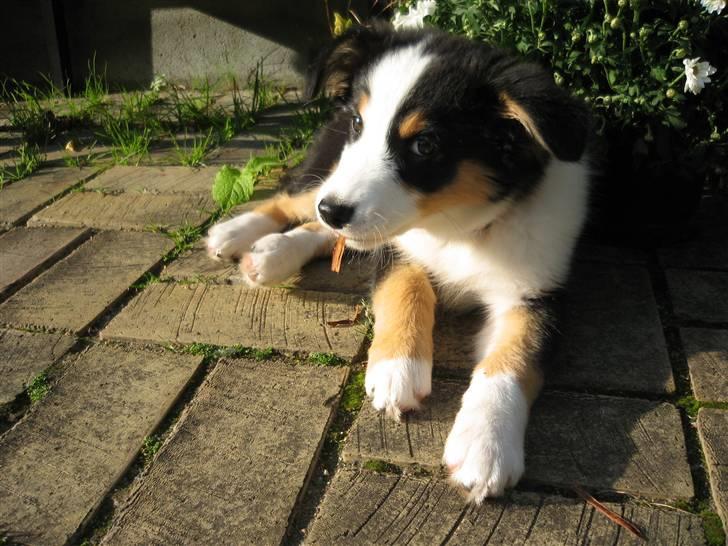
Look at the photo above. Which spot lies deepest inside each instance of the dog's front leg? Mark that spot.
(399, 371)
(484, 451)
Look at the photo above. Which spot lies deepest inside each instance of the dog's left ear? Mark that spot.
(338, 64)
(556, 120)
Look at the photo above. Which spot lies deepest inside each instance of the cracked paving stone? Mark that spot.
(62, 459)
(21, 199)
(235, 315)
(608, 443)
(699, 295)
(713, 431)
(73, 293)
(23, 252)
(240, 457)
(707, 355)
(363, 507)
(609, 321)
(23, 355)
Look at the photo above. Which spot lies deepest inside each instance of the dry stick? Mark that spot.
(610, 514)
(338, 254)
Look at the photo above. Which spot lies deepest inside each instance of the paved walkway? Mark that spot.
(114, 343)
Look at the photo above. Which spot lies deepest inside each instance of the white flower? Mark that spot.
(697, 74)
(158, 83)
(713, 6)
(414, 18)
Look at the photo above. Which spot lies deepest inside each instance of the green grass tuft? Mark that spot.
(326, 359)
(38, 388)
(691, 405)
(150, 446)
(380, 466)
(193, 155)
(29, 160)
(713, 529)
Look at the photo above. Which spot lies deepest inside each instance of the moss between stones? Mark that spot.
(713, 529)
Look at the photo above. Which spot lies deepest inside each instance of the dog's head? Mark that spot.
(440, 127)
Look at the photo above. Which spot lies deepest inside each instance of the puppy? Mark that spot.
(473, 167)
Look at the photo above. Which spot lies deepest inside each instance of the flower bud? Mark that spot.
(615, 23)
(558, 78)
(680, 53)
(576, 37)
(670, 93)
(622, 3)
(683, 25)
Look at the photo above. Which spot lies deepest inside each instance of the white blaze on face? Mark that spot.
(366, 176)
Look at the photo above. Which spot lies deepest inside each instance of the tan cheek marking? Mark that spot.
(404, 311)
(362, 104)
(472, 185)
(517, 350)
(290, 209)
(412, 124)
(515, 111)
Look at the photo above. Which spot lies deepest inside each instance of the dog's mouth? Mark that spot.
(365, 242)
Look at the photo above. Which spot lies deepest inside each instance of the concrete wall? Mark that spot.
(184, 39)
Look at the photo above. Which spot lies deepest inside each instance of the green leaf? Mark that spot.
(232, 187)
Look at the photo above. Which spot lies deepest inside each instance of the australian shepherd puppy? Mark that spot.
(472, 167)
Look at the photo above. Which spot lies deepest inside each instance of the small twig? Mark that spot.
(347, 322)
(610, 514)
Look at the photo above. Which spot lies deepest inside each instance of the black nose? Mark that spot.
(335, 213)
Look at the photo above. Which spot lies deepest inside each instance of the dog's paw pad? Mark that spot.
(398, 385)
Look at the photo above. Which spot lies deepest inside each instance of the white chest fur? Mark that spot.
(525, 252)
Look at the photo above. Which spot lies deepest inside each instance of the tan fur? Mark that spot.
(518, 345)
(515, 111)
(404, 311)
(412, 124)
(327, 246)
(471, 186)
(362, 104)
(289, 209)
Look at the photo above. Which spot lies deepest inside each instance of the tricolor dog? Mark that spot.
(473, 168)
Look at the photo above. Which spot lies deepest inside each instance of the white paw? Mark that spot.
(398, 385)
(231, 239)
(273, 259)
(484, 451)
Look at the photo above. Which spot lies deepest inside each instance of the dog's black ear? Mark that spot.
(559, 122)
(338, 64)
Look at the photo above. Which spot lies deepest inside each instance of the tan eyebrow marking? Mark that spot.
(412, 124)
(362, 104)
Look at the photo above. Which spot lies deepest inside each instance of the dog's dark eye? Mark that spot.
(424, 146)
(356, 124)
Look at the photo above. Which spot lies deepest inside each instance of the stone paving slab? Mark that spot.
(618, 255)
(609, 443)
(699, 295)
(232, 315)
(128, 211)
(355, 277)
(23, 355)
(239, 459)
(78, 289)
(610, 335)
(155, 180)
(696, 254)
(707, 355)
(363, 507)
(264, 134)
(24, 252)
(60, 461)
(713, 431)
(21, 199)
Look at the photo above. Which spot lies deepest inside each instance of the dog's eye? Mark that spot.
(424, 146)
(356, 124)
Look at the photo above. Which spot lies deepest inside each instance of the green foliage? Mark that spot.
(713, 529)
(691, 405)
(354, 393)
(28, 161)
(380, 466)
(130, 144)
(326, 359)
(150, 446)
(38, 388)
(234, 186)
(623, 57)
(193, 154)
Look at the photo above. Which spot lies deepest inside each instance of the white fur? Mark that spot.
(484, 450)
(525, 252)
(397, 385)
(231, 239)
(366, 176)
(279, 256)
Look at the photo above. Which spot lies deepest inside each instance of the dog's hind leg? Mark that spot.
(230, 240)
(278, 256)
(399, 371)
